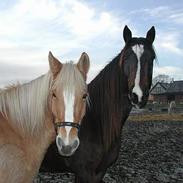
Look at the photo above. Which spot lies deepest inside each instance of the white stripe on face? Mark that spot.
(138, 50)
(69, 113)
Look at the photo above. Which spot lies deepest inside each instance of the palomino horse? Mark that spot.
(28, 113)
(123, 83)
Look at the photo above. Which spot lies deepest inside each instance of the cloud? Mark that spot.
(169, 42)
(32, 20)
(174, 72)
(167, 21)
(163, 14)
(29, 29)
(86, 22)
(12, 73)
(177, 17)
(94, 71)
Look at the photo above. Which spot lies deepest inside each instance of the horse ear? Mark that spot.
(127, 34)
(55, 65)
(84, 64)
(150, 36)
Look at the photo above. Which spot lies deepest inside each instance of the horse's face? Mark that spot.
(69, 94)
(137, 57)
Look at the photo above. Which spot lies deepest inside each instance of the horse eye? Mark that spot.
(85, 96)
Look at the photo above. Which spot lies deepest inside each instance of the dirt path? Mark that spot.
(151, 152)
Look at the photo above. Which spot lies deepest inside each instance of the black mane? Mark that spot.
(106, 101)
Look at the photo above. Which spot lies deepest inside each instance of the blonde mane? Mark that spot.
(25, 105)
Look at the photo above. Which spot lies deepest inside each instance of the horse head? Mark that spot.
(68, 100)
(137, 59)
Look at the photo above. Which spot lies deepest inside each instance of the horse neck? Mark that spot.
(25, 106)
(108, 94)
(109, 87)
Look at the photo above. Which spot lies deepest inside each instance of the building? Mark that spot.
(163, 93)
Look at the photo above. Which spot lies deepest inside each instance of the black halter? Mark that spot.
(71, 124)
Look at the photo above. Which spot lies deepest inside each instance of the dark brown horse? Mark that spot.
(123, 83)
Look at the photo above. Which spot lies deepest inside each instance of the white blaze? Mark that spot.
(138, 50)
(69, 113)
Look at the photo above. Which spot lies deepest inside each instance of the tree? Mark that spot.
(162, 78)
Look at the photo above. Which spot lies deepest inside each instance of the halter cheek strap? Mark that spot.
(71, 124)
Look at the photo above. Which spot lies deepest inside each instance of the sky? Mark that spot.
(30, 29)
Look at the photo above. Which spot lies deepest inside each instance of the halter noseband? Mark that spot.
(71, 124)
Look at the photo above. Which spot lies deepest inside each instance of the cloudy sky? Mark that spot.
(30, 28)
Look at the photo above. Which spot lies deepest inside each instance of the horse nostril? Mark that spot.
(59, 141)
(75, 144)
(134, 98)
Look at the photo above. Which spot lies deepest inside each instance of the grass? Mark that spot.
(156, 117)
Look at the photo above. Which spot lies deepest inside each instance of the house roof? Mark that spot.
(175, 87)
(165, 85)
(159, 88)
(167, 88)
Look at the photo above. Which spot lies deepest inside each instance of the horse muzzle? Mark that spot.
(67, 150)
(137, 102)
(67, 145)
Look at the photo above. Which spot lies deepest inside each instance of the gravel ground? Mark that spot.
(151, 152)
